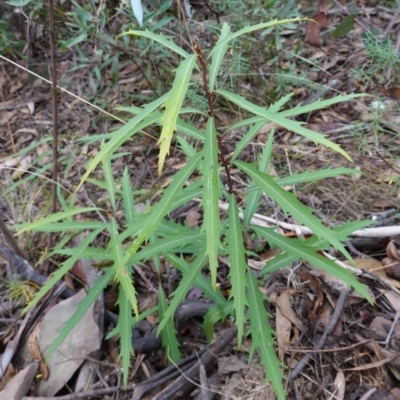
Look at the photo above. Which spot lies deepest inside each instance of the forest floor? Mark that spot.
(356, 357)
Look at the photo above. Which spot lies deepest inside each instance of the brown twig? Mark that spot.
(203, 65)
(332, 323)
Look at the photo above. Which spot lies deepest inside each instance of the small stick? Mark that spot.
(332, 323)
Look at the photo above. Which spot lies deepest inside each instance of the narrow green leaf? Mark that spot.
(262, 336)
(169, 340)
(249, 29)
(109, 179)
(160, 39)
(180, 293)
(309, 176)
(218, 56)
(278, 118)
(319, 104)
(46, 222)
(247, 138)
(124, 133)
(127, 196)
(124, 330)
(164, 206)
(291, 205)
(238, 266)
(65, 267)
(173, 105)
(211, 196)
(122, 271)
(217, 313)
(253, 199)
(301, 250)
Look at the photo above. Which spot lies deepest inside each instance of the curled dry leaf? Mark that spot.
(392, 261)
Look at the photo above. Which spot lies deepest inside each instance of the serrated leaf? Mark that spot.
(163, 207)
(124, 330)
(109, 180)
(127, 196)
(309, 176)
(211, 196)
(65, 267)
(218, 57)
(169, 340)
(172, 105)
(249, 29)
(160, 39)
(238, 266)
(262, 336)
(291, 205)
(180, 293)
(140, 121)
(46, 222)
(280, 120)
(301, 250)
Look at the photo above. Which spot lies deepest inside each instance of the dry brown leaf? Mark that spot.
(340, 383)
(283, 325)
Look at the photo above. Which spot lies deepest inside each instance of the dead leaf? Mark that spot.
(283, 327)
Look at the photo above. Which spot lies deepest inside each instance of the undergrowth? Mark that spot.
(139, 237)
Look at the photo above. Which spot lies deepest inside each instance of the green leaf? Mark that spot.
(173, 105)
(124, 329)
(319, 104)
(247, 138)
(253, 199)
(180, 293)
(127, 196)
(122, 271)
(65, 267)
(302, 251)
(164, 206)
(124, 133)
(160, 39)
(169, 340)
(238, 266)
(278, 118)
(308, 176)
(211, 196)
(109, 180)
(217, 313)
(345, 26)
(262, 336)
(291, 205)
(218, 56)
(46, 222)
(249, 29)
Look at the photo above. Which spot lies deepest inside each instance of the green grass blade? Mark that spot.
(211, 196)
(262, 336)
(291, 205)
(238, 266)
